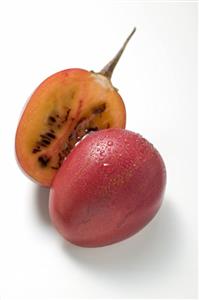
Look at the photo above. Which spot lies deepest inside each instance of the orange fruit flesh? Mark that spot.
(65, 107)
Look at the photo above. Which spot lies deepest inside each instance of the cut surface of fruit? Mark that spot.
(65, 107)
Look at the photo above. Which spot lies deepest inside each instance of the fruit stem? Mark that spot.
(109, 68)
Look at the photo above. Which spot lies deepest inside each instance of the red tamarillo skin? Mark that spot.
(109, 187)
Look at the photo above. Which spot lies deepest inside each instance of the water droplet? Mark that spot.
(109, 169)
(110, 143)
(105, 164)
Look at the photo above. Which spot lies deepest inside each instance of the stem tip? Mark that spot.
(109, 68)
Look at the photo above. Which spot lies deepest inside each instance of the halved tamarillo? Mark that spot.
(63, 108)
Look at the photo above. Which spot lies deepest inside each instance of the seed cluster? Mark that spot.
(55, 122)
(45, 140)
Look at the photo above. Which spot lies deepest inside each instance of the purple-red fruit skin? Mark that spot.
(109, 187)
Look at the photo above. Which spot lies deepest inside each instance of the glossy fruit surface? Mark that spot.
(65, 107)
(109, 187)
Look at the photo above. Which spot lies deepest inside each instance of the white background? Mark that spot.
(157, 79)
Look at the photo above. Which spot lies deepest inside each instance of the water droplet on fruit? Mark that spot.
(110, 143)
(102, 154)
(108, 169)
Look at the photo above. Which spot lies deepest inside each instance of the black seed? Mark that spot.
(35, 150)
(67, 114)
(51, 119)
(51, 135)
(99, 109)
(92, 129)
(47, 142)
(45, 137)
(108, 125)
(42, 144)
(43, 160)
